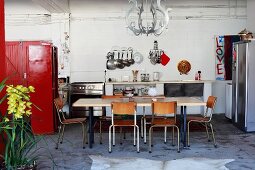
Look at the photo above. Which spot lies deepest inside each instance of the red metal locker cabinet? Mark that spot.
(15, 62)
(40, 75)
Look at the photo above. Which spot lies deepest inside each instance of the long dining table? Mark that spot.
(182, 102)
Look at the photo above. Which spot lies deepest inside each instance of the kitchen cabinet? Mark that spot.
(109, 87)
(35, 64)
(183, 89)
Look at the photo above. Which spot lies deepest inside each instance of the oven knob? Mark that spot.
(80, 88)
(90, 87)
(83, 88)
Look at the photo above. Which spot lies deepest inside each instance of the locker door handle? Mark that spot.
(25, 75)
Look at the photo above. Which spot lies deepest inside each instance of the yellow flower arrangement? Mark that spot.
(19, 100)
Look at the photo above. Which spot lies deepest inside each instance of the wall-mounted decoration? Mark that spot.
(223, 53)
(184, 67)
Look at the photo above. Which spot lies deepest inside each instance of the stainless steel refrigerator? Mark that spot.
(243, 82)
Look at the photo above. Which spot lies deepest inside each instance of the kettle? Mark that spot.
(155, 76)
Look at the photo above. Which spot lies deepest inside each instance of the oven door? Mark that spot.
(83, 111)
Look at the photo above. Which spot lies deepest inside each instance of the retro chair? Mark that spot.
(204, 119)
(161, 112)
(64, 121)
(123, 109)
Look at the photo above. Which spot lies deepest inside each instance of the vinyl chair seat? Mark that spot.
(124, 122)
(74, 120)
(162, 121)
(198, 118)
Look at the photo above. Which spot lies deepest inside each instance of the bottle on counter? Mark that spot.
(199, 75)
(196, 76)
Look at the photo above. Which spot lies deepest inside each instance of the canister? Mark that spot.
(155, 76)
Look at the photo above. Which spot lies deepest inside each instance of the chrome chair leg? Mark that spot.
(135, 135)
(124, 137)
(144, 131)
(62, 134)
(83, 135)
(113, 136)
(86, 135)
(142, 127)
(178, 139)
(59, 134)
(150, 136)
(188, 134)
(100, 130)
(110, 140)
(206, 127)
(215, 145)
(173, 137)
(121, 135)
(165, 133)
(137, 142)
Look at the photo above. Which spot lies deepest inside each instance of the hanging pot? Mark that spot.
(131, 60)
(125, 61)
(119, 62)
(111, 62)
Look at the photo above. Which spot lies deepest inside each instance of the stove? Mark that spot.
(85, 90)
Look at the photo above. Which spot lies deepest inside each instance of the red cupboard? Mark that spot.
(35, 64)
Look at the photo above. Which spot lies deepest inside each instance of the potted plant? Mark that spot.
(15, 128)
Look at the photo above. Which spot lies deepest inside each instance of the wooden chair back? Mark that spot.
(161, 108)
(211, 101)
(123, 108)
(58, 102)
(210, 104)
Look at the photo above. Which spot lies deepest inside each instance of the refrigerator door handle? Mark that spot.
(236, 88)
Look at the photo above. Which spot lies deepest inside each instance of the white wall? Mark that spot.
(251, 16)
(96, 26)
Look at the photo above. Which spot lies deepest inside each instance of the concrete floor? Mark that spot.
(232, 144)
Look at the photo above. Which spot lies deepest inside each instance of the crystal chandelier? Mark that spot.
(154, 22)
